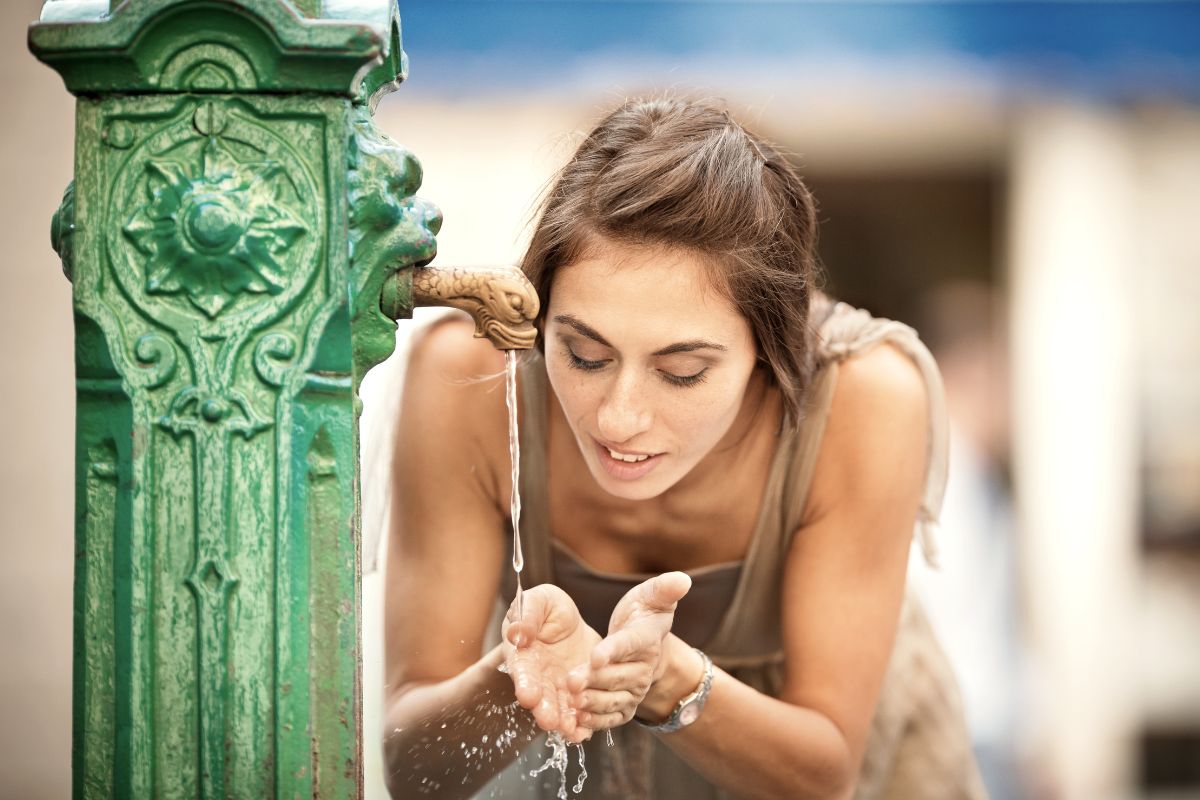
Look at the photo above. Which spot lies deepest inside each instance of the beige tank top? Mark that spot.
(918, 746)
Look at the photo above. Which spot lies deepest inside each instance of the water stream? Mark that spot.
(558, 758)
(514, 453)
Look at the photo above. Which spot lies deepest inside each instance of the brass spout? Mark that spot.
(500, 299)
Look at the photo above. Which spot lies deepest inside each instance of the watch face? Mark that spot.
(689, 713)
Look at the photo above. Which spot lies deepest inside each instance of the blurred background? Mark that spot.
(1020, 181)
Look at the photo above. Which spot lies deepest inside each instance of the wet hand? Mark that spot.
(608, 689)
(540, 650)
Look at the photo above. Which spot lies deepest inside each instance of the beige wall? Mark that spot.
(36, 425)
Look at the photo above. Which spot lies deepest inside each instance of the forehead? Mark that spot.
(664, 292)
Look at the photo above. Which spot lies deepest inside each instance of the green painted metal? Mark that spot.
(234, 220)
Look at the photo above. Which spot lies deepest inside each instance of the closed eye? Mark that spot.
(587, 365)
(684, 380)
(582, 363)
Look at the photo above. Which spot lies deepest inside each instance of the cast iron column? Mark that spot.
(232, 222)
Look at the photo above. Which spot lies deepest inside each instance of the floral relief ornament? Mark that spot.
(214, 229)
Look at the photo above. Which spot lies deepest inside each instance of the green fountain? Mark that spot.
(240, 238)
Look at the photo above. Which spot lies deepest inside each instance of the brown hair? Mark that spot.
(683, 174)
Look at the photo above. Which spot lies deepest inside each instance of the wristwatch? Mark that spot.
(689, 708)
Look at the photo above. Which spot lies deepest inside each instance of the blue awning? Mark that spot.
(480, 46)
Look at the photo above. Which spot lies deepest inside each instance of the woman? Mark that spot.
(722, 471)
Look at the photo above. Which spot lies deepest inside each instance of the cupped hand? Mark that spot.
(608, 689)
(540, 650)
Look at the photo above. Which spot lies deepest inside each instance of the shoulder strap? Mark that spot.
(846, 332)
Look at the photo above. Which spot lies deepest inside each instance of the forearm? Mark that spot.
(447, 739)
(746, 742)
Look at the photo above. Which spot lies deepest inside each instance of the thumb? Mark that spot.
(663, 592)
(655, 595)
(522, 630)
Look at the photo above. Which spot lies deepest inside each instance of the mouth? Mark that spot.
(624, 465)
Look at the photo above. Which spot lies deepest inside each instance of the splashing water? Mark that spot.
(582, 771)
(559, 759)
(514, 453)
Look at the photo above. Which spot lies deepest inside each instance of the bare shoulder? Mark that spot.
(448, 351)
(877, 428)
(454, 389)
(882, 381)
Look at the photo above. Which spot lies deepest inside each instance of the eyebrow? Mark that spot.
(584, 329)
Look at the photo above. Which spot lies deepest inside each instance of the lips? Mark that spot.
(623, 465)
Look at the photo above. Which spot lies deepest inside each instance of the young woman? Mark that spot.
(722, 471)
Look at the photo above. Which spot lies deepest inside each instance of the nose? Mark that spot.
(625, 410)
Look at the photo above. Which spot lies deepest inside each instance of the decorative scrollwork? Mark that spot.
(271, 354)
(157, 358)
(194, 408)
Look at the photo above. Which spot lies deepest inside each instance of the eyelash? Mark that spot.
(675, 380)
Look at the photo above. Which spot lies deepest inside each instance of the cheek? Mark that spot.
(575, 393)
(704, 414)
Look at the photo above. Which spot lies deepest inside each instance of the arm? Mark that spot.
(843, 586)
(444, 559)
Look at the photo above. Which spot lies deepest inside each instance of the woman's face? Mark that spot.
(649, 362)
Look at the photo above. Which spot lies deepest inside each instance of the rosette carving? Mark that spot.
(213, 229)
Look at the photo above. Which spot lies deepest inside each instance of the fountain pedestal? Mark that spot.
(233, 223)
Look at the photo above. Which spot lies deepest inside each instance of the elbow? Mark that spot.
(825, 771)
(841, 783)
(829, 772)
(837, 775)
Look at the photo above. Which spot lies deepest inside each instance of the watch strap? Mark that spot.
(689, 707)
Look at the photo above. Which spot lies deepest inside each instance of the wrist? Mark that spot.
(683, 673)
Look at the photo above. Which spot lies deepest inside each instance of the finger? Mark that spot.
(545, 714)
(622, 702)
(579, 678)
(631, 676)
(580, 735)
(566, 714)
(600, 722)
(520, 634)
(538, 602)
(625, 644)
(527, 684)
